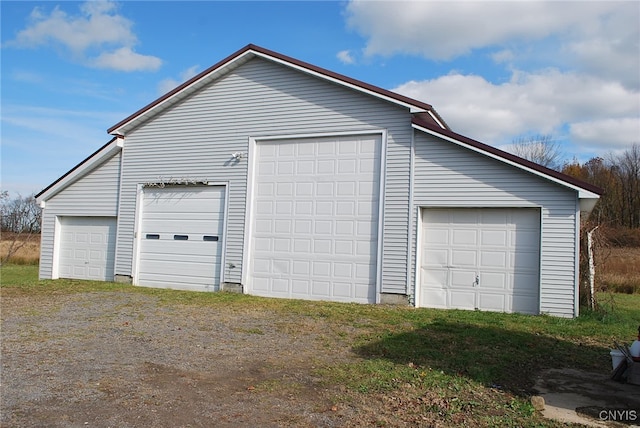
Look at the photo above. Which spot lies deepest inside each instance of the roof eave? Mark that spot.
(93, 160)
(584, 189)
(180, 92)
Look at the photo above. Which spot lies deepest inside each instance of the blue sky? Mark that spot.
(495, 71)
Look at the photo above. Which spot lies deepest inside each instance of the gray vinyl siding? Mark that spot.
(95, 194)
(196, 137)
(447, 175)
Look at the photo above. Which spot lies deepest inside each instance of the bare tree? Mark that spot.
(541, 149)
(626, 170)
(619, 176)
(20, 218)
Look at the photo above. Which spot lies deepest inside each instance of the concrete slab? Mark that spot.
(591, 399)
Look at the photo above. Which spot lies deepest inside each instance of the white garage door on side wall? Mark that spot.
(315, 218)
(87, 248)
(181, 237)
(485, 258)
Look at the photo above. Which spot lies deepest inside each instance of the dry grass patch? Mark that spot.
(25, 250)
(619, 270)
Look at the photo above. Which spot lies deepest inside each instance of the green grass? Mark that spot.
(455, 364)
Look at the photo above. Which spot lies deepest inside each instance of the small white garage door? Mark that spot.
(315, 219)
(181, 237)
(87, 248)
(486, 259)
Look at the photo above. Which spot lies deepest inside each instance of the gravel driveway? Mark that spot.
(116, 359)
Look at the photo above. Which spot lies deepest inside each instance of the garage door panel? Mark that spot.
(505, 258)
(185, 267)
(180, 272)
(157, 219)
(434, 299)
(525, 303)
(464, 237)
(493, 281)
(464, 217)
(494, 238)
(459, 299)
(342, 289)
(463, 258)
(434, 278)
(494, 217)
(321, 288)
(436, 236)
(525, 281)
(525, 261)
(462, 278)
(172, 260)
(316, 206)
(493, 302)
(494, 259)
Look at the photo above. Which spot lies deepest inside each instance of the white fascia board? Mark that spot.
(587, 204)
(434, 117)
(412, 108)
(582, 193)
(82, 169)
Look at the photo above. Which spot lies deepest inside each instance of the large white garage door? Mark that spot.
(486, 259)
(87, 248)
(181, 237)
(315, 220)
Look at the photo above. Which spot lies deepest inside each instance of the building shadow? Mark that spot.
(492, 355)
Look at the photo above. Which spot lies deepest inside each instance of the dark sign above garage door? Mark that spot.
(181, 237)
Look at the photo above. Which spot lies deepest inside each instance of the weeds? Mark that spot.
(619, 270)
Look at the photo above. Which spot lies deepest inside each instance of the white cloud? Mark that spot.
(27, 76)
(602, 37)
(169, 84)
(543, 102)
(98, 31)
(503, 56)
(574, 66)
(614, 134)
(124, 59)
(346, 57)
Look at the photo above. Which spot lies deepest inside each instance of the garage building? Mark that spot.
(278, 178)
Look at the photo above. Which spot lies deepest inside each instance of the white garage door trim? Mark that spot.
(529, 220)
(203, 239)
(85, 247)
(381, 137)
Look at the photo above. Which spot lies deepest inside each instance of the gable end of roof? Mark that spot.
(251, 51)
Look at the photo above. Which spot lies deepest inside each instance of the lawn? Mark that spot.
(413, 365)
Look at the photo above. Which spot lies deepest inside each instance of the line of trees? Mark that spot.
(619, 176)
(20, 214)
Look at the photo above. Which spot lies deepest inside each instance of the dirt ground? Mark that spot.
(114, 359)
(123, 360)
